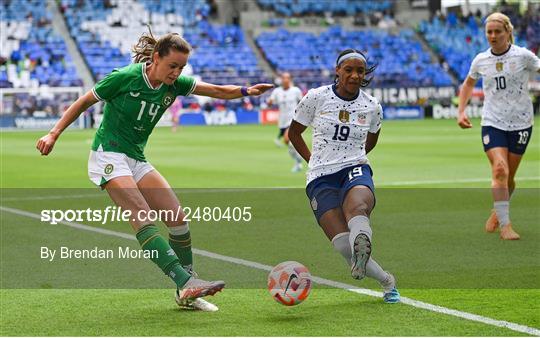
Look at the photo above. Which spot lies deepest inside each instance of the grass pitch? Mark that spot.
(432, 200)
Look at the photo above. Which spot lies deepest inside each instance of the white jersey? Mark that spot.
(286, 101)
(507, 105)
(340, 128)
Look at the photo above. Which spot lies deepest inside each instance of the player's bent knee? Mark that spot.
(501, 171)
(360, 209)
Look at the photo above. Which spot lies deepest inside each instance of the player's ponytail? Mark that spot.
(148, 45)
(505, 20)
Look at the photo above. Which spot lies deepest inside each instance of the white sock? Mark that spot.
(341, 245)
(502, 209)
(179, 230)
(374, 270)
(358, 225)
(294, 154)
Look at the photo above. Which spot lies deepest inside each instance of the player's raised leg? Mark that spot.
(335, 228)
(357, 206)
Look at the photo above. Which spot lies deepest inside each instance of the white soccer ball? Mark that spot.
(289, 283)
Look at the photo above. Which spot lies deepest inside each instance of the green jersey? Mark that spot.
(133, 108)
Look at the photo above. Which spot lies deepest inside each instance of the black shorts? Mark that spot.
(516, 141)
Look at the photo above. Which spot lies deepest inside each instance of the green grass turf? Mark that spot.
(246, 312)
(245, 156)
(430, 238)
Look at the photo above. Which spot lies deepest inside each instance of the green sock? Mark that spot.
(150, 239)
(181, 245)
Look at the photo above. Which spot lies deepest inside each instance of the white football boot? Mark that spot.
(195, 303)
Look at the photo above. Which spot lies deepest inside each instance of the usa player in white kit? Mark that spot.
(287, 97)
(507, 115)
(346, 124)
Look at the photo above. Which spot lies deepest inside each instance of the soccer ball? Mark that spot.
(289, 283)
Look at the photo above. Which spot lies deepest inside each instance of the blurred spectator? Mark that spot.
(359, 19)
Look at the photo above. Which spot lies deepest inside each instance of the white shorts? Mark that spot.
(284, 120)
(103, 166)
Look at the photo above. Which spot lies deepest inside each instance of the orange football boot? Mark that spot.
(492, 224)
(508, 233)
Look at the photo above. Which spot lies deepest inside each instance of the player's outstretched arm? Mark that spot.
(295, 136)
(464, 96)
(228, 92)
(46, 143)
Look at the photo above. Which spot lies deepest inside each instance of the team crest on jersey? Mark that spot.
(344, 116)
(499, 66)
(168, 99)
(485, 139)
(108, 169)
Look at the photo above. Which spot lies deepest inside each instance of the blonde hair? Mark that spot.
(148, 45)
(505, 20)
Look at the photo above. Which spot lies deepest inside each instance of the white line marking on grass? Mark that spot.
(50, 197)
(464, 180)
(210, 190)
(322, 281)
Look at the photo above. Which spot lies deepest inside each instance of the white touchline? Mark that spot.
(463, 180)
(50, 197)
(210, 190)
(418, 304)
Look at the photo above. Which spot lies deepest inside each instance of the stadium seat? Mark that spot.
(458, 43)
(289, 8)
(311, 59)
(30, 45)
(220, 53)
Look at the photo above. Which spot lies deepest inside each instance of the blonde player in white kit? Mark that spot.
(346, 124)
(507, 115)
(287, 97)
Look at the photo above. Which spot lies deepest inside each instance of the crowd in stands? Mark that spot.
(106, 31)
(457, 38)
(32, 53)
(39, 105)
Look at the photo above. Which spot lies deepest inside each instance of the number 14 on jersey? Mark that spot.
(152, 112)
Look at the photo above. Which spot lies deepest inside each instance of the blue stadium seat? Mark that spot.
(311, 59)
(290, 8)
(42, 46)
(220, 54)
(458, 43)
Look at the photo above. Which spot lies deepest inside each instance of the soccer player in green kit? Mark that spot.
(135, 98)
